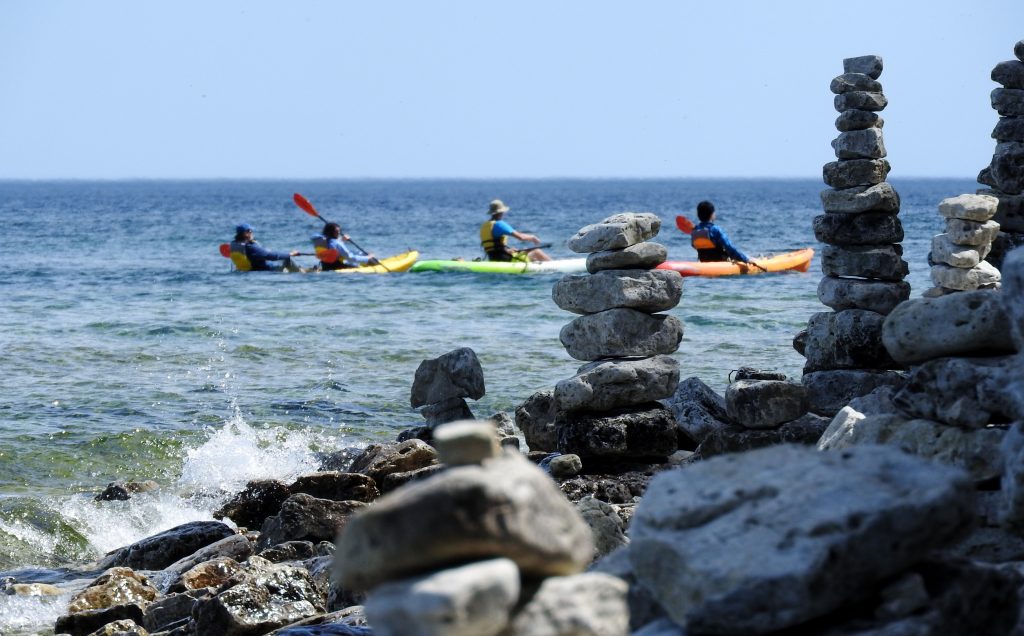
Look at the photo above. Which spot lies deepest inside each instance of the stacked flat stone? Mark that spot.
(488, 546)
(862, 259)
(441, 385)
(957, 257)
(608, 410)
(1005, 174)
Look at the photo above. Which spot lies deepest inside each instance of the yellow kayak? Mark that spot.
(398, 263)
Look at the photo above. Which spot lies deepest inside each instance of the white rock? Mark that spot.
(984, 274)
(970, 207)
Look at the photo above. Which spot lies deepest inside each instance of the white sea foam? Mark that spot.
(30, 615)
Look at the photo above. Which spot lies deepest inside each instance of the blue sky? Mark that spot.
(291, 90)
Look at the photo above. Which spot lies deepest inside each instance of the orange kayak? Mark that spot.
(798, 261)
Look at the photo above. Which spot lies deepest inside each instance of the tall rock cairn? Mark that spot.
(608, 410)
(862, 260)
(1005, 174)
(957, 255)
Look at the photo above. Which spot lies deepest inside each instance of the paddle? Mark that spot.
(308, 208)
(536, 247)
(225, 250)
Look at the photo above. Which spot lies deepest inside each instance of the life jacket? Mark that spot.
(239, 257)
(707, 249)
(495, 248)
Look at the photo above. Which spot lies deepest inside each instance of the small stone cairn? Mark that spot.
(862, 259)
(441, 385)
(1005, 174)
(608, 410)
(957, 255)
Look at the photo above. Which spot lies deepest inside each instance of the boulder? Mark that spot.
(467, 442)
(859, 144)
(609, 384)
(444, 411)
(337, 486)
(639, 256)
(870, 65)
(1010, 74)
(697, 409)
(306, 518)
(642, 431)
(980, 276)
(880, 197)
(733, 438)
(591, 604)
(859, 120)
(261, 498)
(867, 228)
(829, 391)
(860, 100)
(535, 417)
(848, 339)
(1008, 165)
(848, 82)
(857, 293)
(237, 547)
(945, 251)
(855, 172)
(163, 549)
(380, 460)
(764, 403)
(649, 290)
(881, 262)
(966, 392)
(456, 374)
(1010, 212)
(208, 574)
(621, 333)
(969, 207)
(116, 586)
(616, 232)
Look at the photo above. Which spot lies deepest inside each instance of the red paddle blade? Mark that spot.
(225, 250)
(327, 256)
(306, 206)
(684, 224)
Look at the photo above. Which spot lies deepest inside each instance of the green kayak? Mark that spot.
(566, 265)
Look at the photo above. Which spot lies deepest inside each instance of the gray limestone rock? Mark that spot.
(944, 250)
(456, 374)
(306, 518)
(969, 207)
(881, 262)
(336, 486)
(1005, 243)
(857, 293)
(697, 408)
(642, 431)
(606, 524)
(1008, 102)
(590, 604)
(1012, 511)
(867, 228)
(466, 442)
(1009, 129)
(1010, 213)
(764, 403)
(848, 82)
(981, 275)
(647, 290)
(860, 100)
(644, 255)
(855, 172)
(616, 232)
(870, 65)
(1010, 74)
(535, 417)
(829, 391)
(970, 323)
(621, 333)
(733, 438)
(848, 339)
(854, 119)
(1013, 295)
(859, 144)
(971, 233)
(975, 451)
(739, 544)
(609, 384)
(965, 392)
(876, 198)
(380, 460)
(160, 550)
(1008, 166)
(505, 508)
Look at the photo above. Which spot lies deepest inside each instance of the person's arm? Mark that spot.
(503, 227)
(258, 251)
(346, 255)
(723, 240)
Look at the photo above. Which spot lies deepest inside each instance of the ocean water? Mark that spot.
(129, 350)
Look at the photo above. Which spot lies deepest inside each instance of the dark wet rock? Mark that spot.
(1008, 102)
(339, 460)
(1008, 165)
(1009, 212)
(422, 433)
(397, 480)
(640, 431)
(855, 172)
(1002, 246)
(456, 374)
(1018, 50)
(380, 460)
(697, 409)
(620, 487)
(1010, 74)
(536, 419)
(647, 290)
(859, 144)
(860, 100)
(87, 622)
(733, 438)
(237, 547)
(163, 549)
(337, 486)
(449, 410)
(306, 518)
(1009, 129)
(350, 621)
(259, 499)
(859, 120)
(123, 491)
(985, 177)
(764, 403)
(848, 339)
(289, 551)
(967, 392)
(617, 333)
(800, 342)
(848, 82)
(750, 373)
(880, 197)
(867, 228)
(870, 65)
(609, 384)
(640, 256)
(171, 610)
(857, 293)
(829, 391)
(125, 627)
(616, 232)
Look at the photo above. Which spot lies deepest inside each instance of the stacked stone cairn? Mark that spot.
(957, 257)
(441, 385)
(1004, 175)
(862, 259)
(608, 411)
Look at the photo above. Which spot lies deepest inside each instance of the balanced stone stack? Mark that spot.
(442, 384)
(862, 259)
(608, 410)
(1005, 174)
(957, 256)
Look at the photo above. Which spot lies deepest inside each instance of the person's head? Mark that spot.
(243, 231)
(497, 209)
(705, 211)
(332, 230)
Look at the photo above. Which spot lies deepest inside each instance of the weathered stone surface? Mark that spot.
(867, 228)
(1009, 129)
(857, 293)
(1013, 295)
(848, 82)
(985, 176)
(466, 442)
(859, 144)
(1010, 213)
(855, 172)
(981, 275)
(967, 392)
(969, 207)
(609, 384)
(87, 622)
(764, 403)
(880, 197)
(648, 290)
(989, 545)
(829, 391)
(1008, 166)
(116, 586)
(881, 262)
(123, 491)
(456, 374)
(605, 523)
(1008, 102)
(616, 232)
(163, 549)
(1018, 50)
(291, 551)
(337, 486)
(1002, 246)
(621, 333)
(971, 323)
(397, 480)
(567, 465)
(848, 339)
(164, 612)
(258, 500)
(975, 451)
(733, 438)
(590, 604)
(470, 600)
(643, 608)
(535, 417)
(736, 544)
(237, 547)
(858, 120)
(870, 65)
(380, 460)
(209, 574)
(640, 256)
(945, 251)
(642, 431)
(860, 100)
(306, 518)
(506, 508)
(1012, 510)
(448, 410)
(971, 232)
(1010, 74)
(126, 627)
(698, 410)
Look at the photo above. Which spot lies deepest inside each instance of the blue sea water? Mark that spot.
(129, 350)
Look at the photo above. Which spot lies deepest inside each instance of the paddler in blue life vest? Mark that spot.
(248, 255)
(710, 241)
(331, 238)
(494, 238)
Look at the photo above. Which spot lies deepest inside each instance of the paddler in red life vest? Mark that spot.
(710, 241)
(248, 255)
(494, 238)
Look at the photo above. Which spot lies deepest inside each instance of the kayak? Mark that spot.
(797, 260)
(398, 263)
(565, 266)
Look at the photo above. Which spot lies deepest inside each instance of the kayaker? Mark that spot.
(245, 249)
(331, 238)
(494, 238)
(710, 241)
